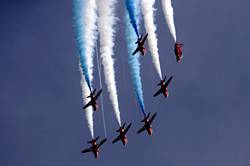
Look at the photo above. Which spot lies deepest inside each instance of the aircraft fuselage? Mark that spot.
(148, 127)
(178, 51)
(164, 89)
(142, 49)
(95, 149)
(94, 103)
(123, 137)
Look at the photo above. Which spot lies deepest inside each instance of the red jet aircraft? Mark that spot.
(140, 46)
(122, 135)
(147, 124)
(164, 87)
(93, 100)
(178, 51)
(95, 147)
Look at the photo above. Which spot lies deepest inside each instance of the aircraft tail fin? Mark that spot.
(164, 78)
(145, 117)
(148, 115)
(93, 140)
(123, 125)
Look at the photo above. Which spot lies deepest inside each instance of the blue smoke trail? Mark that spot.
(134, 62)
(132, 8)
(78, 12)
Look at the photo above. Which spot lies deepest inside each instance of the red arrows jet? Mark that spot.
(93, 100)
(95, 147)
(122, 135)
(140, 46)
(164, 87)
(147, 124)
(178, 51)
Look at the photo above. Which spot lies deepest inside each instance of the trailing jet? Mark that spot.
(95, 147)
(178, 51)
(122, 135)
(93, 100)
(140, 46)
(164, 87)
(147, 124)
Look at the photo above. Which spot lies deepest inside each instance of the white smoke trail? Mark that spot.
(90, 33)
(148, 15)
(86, 22)
(106, 22)
(88, 111)
(169, 16)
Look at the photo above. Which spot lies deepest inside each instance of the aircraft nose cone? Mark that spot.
(150, 132)
(125, 141)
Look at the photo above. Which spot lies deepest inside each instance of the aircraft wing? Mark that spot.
(157, 93)
(126, 130)
(141, 130)
(151, 120)
(87, 105)
(92, 93)
(115, 140)
(136, 50)
(102, 142)
(144, 39)
(86, 150)
(168, 81)
(98, 94)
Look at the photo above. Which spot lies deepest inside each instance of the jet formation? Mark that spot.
(147, 120)
(164, 90)
(95, 23)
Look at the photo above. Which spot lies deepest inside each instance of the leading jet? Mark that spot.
(93, 100)
(140, 46)
(178, 51)
(147, 124)
(95, 147)
(164, 87)
(122, 135)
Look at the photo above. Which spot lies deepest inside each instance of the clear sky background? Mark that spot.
(205, 121)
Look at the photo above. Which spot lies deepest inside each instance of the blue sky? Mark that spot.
(205, 121)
